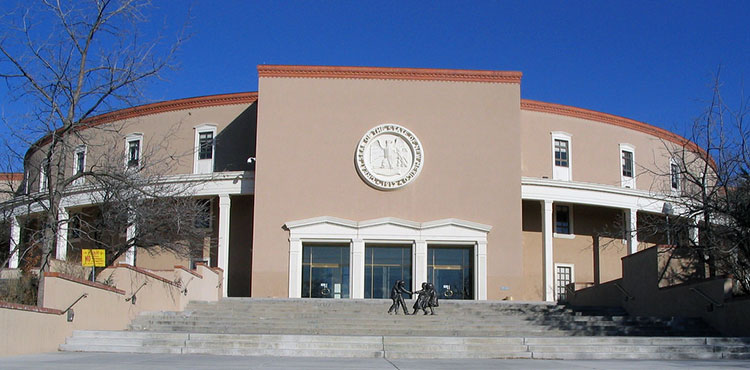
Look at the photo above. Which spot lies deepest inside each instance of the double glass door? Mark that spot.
(384, 265)
(451, 270)
(325, 271)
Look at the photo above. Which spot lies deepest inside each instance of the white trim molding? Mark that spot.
(572, 275)
(136, 136)
(204, 165)
(79, 166)
(564, 173)
(389, 229)
(627, 181)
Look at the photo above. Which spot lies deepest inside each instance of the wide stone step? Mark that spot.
(622, 349)
(363, 328)
(625, 356)
(324, 331)
(106, 347)
(662, 348)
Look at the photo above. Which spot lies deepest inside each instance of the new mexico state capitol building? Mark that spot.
(365, 176)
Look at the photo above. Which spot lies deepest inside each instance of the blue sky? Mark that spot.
(647, 60)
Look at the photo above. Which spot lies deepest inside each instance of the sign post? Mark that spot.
(93, 258)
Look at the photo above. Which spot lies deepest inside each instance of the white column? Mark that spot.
(223, 262)
(631, 229)
(130, 253)
(549, 270)
(693, 232)
(480, 255)
(420, 264)
(295, 268)
(15, 241)
(357, 272)
(61, 249)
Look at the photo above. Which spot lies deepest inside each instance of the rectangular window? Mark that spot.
(203, 217)
(674, 172)
(74, 227)
(561, 153)
(627, 163)
(562, 219)
(206, 145)
(134, 153)
(80, 160)
(564, 277)
(384, 266)
(79, 164)
(325, 271)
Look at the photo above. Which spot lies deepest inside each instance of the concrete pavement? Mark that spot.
(117, 361)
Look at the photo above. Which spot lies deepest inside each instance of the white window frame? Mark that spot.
(678, 189)
(136, 136)
(204, 165)
(555, 234)
(572, 275)
(560, 172)
(43, 175)
(625, 181)
(386, 230)
(81, 149)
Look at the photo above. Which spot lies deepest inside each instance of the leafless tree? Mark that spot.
(70, 61)
(707, 192)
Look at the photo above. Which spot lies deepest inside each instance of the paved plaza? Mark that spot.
(115, 361)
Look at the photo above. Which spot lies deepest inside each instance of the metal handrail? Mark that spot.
(84, 295)
(706, 297)
(133, 297)
(624, 292)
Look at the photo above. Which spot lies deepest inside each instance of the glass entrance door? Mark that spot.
(325, 271)
(451, 270)
(384, 265)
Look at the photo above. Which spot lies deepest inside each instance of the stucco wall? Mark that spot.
(105, 308)
(640, 284)
(168, 140)
(469, 132)
(595, 151)
(592, 228)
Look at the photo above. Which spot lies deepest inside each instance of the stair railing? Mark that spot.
(711, 302)
(624, 292)
(69, 310)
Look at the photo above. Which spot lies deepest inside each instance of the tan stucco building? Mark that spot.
(338, 181)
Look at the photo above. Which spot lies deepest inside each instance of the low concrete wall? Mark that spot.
(30, 329)
(710, 299)
(602, 295)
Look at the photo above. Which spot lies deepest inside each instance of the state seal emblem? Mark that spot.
(389, 156)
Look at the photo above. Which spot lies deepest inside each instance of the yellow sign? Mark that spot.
(93, 258)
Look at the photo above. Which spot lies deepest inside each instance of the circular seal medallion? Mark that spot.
(389, 156)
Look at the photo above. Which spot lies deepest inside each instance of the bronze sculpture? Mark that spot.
(397, 297)
(427, 298)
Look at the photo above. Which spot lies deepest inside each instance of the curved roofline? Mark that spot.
(389, 73)
(158, 107)
(592, 115)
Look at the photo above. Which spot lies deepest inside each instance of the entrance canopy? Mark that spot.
(308, 235)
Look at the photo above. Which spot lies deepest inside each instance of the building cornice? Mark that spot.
(565, 110)
(173, 105)
(383, 73)
(156, 108)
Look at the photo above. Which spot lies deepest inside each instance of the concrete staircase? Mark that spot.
(362, 328)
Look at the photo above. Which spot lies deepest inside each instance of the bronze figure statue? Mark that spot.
(427, 298)
(398, 298)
